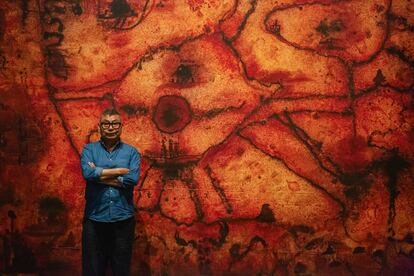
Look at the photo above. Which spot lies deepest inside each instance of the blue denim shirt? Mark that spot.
(105, 203)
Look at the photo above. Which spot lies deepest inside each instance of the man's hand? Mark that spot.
(111, 182)
(109, 176)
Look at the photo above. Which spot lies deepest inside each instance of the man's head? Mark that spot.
(110, 125)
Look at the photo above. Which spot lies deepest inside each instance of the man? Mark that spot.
(111, 170)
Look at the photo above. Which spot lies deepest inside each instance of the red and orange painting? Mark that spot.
(276, 136)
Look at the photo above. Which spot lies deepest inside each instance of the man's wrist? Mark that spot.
(98, 171)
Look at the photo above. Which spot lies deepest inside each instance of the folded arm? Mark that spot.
(111, 176)
(100, 175)
(131, 178)
(90, 173)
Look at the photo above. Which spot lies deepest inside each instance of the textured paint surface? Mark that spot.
(277, 136)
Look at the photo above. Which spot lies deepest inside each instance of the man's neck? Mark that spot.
(110, 144)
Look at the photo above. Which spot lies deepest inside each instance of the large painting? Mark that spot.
(276, 136)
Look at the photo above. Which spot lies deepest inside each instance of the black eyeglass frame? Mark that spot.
(106, 125)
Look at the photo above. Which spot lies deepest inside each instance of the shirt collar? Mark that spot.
(118, 144)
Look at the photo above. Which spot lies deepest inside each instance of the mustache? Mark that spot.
(107, 131)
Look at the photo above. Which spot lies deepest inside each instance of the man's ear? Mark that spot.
(94, 135)
(98, 128)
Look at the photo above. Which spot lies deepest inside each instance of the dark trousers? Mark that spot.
(106, 243)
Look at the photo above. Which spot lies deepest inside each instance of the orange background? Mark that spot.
(276, 136)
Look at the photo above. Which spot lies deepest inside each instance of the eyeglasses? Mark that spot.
(115, 125)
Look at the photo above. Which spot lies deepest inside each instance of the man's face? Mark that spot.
(110, 127)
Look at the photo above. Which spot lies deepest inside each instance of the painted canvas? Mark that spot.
(276, 136)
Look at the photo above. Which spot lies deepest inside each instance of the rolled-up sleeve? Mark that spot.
(131, 178)
(90, 174)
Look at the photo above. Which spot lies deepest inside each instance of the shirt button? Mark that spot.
(111, 202)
